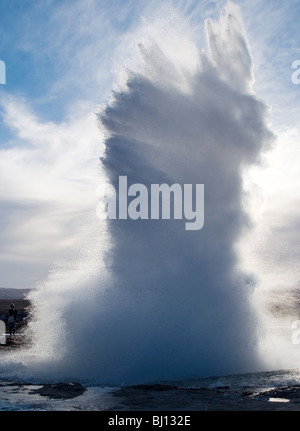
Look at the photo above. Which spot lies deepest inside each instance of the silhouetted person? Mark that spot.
(12, 313)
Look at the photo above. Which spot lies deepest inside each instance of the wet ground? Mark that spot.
(74, 396)
(204, 399)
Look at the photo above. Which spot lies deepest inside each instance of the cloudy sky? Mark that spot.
(62, 58)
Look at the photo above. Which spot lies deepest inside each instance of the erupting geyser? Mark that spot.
(169, 303)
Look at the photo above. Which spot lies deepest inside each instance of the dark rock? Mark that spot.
(60, 390)
(154, 387)
(247, 393)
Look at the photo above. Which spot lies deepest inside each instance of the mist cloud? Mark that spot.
(175, 291)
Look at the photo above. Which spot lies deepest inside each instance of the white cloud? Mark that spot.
(272, 247)
(48, 187)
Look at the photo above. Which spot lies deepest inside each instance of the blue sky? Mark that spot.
(62, 58)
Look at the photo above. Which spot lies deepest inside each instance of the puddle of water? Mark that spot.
(278, 400)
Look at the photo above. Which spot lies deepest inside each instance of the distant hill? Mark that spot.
(9, 293)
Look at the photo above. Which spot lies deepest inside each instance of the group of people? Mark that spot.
(12, 314)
